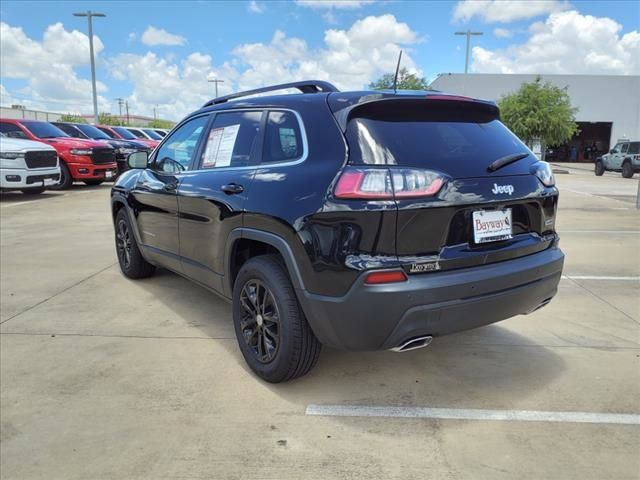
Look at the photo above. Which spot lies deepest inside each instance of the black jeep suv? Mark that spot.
(357, 220)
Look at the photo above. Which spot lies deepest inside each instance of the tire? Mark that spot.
(33, 191)
(627, 169)
(66, 180)
(132, 264)
(284, 347)
(599, 169)
(93, 183)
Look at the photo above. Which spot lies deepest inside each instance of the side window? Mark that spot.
(634, 148)
(175, 154)
(625, 147)
(12, 130)
(283, 139)
(231, 140)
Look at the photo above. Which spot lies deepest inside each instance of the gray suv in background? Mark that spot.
(624, 157)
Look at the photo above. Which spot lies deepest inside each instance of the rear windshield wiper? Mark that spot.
(506, 160)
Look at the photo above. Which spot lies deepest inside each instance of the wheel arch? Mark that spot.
(260, 239)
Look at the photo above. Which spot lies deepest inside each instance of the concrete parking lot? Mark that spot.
(106, 378)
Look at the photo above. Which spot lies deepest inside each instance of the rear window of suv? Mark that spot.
(455, 147)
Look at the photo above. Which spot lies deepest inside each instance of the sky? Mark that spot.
(159, 55)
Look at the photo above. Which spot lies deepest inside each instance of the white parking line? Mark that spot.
(472, 414)
(602, 277)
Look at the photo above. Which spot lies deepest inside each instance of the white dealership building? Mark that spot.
(608, 105)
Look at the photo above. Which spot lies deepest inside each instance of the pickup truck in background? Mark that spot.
(89, 161)
(30, 167)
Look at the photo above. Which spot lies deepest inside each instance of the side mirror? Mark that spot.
(613, 150)
(138, 159)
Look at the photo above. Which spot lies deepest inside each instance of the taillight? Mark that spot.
(387, 183)
(393, 276)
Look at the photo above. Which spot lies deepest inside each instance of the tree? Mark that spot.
(72, 118)
(108, 119)
(406, 81)
(161, 124)
(539, 111)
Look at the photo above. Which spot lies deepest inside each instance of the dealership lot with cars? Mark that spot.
(152, 368)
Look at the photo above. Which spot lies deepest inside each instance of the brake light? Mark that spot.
(394, 276)
(364, 184)
(459, 98)
(387, 183)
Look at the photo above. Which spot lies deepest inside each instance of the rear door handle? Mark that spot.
(232, 188)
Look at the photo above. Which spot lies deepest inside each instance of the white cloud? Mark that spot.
(177, 87)
(567, 42)
(256, 7)
(349, 58)
(158, 36)
(502, 33)
(505, 11)
(48, 66)
(344, 4)
(330, 17)
(5, 97)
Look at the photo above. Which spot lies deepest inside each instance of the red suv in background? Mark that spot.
(89, 161)
(122, 133)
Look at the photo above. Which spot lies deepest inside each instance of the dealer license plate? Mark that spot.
(492, 225)
(108, 174)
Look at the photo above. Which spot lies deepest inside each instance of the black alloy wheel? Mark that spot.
(260, 320)
(124, 243)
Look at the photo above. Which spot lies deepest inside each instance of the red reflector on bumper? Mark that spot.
(376, 278)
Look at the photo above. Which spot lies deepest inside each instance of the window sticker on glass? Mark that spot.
(220, 146)
(288, 141)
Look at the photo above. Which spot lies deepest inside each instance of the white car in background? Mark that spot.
(28, 166)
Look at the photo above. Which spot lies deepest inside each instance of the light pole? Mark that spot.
(89, 14)
(468, 34)
(215, 81)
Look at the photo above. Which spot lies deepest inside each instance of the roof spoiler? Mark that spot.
(378, 104)
(305, 86)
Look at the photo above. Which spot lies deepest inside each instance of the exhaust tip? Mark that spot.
(413, 344)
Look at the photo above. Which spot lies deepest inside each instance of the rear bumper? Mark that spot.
(376, 317)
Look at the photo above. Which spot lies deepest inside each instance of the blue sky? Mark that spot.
(253, 43)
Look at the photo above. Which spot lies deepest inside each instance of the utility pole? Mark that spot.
(120, 103)
(468, 34)
(126, 105)
(215, 81)
(89, 14)
(155, 112)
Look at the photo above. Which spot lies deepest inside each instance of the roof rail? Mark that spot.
(305, 86)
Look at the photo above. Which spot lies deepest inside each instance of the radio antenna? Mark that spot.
(395, 78)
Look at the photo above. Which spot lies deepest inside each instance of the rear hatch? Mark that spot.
(433, 155)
